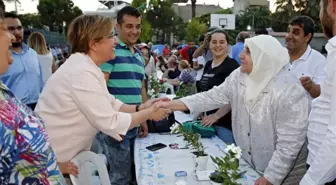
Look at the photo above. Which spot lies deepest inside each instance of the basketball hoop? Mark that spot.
(224, 21)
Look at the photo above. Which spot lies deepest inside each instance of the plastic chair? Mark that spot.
(84, 161)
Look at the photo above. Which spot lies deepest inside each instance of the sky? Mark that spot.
(92, 5)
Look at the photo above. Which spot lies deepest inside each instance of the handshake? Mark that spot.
(159, 108)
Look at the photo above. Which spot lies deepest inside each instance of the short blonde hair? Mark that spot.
(86, 28)
(184, 64)
(37, 41)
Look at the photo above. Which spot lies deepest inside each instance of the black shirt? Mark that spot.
(174, 74)
(214, 77)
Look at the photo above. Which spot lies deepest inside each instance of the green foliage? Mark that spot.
(226, 169)
(155, 87)
(184, 90)
(256, 16)
(54, 12)
(193, 139)
(162, 19)
(195, 29)
(33, 20)
(286, 10)
(138, 3)
(146, 31)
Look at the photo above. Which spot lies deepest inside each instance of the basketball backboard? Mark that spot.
(224, 21)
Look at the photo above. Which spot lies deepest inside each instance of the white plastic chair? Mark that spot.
(84, 161)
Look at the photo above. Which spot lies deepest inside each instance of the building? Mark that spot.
(184, 10)
(22, 6)
(109, 8)
(241, 5)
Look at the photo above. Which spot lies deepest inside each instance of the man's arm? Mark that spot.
(323, 168)
(318, 77)
(315, 91)
(310, 86)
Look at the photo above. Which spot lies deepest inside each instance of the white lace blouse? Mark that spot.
(272, 132)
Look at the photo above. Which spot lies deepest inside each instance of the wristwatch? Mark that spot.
(137, 108)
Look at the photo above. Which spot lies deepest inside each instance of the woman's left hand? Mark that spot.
(209, 120)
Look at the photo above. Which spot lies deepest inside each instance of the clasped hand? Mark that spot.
(158, 112)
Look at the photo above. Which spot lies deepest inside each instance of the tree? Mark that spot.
(195, 29)
(31, 20)
(256, 16)
(138, 3)
(55, 12)
(146, 31)
(312, 9)
(287, 9)
(193, 8)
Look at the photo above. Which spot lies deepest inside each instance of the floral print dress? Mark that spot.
(26, 156)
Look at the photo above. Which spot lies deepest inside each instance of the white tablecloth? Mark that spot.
(155, 168)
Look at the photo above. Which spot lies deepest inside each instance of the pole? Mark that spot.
(252, 23)
(16, 10)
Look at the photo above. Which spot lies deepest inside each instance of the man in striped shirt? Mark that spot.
(125, 80)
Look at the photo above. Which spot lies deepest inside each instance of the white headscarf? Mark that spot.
(268, 57)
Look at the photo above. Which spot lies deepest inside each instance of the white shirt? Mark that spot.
(312, 64)
(201, 61)
(150, 67)
(322, 127)
(54, 52)
(75, 104)
(46, 62)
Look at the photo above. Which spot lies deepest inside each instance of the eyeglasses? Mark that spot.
(110, 36)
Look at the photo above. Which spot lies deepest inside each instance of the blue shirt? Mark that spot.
(236, 50)
(24, 75)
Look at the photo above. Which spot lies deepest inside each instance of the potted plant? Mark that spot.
(227, 167)
(197, 149)
(200, 157)
(155, 87)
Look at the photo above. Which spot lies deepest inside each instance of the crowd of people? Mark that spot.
(277, 103)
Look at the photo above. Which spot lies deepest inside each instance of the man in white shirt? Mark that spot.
(322, 119)
(306, 63)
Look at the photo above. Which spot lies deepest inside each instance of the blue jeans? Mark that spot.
(120, 156)
(225, 135)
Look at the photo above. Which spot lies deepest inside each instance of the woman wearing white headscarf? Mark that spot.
(269, 111)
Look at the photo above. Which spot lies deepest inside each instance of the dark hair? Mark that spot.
(242, 36)
(127, 10)
(201, 39)
(261, 32)
(11, 15)
(306, 23)
(2, 9)
(223, 32)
